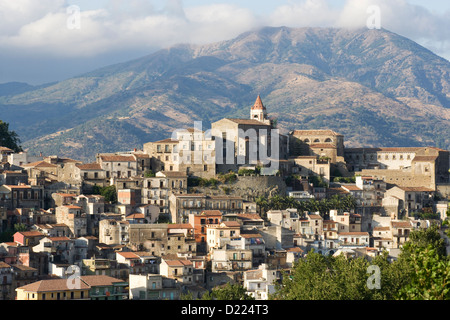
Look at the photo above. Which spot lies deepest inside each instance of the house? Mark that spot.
(412, 199)
(153, 287)
(118, 166)
(74, 218)
(220, 235)
(58, 248)
(404, 167)
(21, 196)
(400, 231)
(54, 289)
(248, 221)
(288, 219)
(114, 231)
(106, 288)
(190, 151)
(231, 259)
(293, 255)
(200, 223)
(180, 269)
(382, 237)
(305, 166)
(22, 275)
(260, 283)
(6, 276)
(132, 260)
(78, 288)
(28, 238)
(353, 239)
(52, 230)
(182, 205)
(136, 218)
(83, 176)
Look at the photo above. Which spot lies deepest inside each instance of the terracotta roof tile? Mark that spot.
(89, 166)
(117, 158)
(315, 132)
(248, 122)
(258, 104)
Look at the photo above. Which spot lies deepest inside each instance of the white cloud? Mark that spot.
(41, 26)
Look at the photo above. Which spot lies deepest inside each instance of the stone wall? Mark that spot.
(443, 190)
(250, 187)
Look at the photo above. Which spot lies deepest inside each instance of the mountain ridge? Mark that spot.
(373, 86)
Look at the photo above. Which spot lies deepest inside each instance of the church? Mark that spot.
(248, 142)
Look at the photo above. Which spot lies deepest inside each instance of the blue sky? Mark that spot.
(38, 46)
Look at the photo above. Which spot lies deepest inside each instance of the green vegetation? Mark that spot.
(8, 235)
(227, 178)
(202, 182)
(323, 206)
(9, 139)
(247, 172)
(227, 292)
(149, 174)
(109, 193)
(426, 214)
(345, 179)
(317, 181)
(422, 272)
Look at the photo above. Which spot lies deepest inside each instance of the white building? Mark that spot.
(260, 283)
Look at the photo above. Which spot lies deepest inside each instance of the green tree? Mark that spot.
(430, 279)
(18, 227)
(227, 292)
(9, 139)
(109, 193)
(149, 174)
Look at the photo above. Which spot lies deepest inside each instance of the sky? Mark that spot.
(51, 40)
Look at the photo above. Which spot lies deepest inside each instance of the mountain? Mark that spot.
(374, 86)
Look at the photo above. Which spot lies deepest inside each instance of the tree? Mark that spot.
(109, 193)
(319, 277)
(430, 279)
(228, 292)
(149, 174)
(9, 139)
(18, 227)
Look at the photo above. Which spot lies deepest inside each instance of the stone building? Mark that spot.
(83, 176)
(118, 166)
(320, 143)
(157, 190)
(74, 218)
(21, 196)
(411, 199)
(406, 167)
(244, 142)
(191, 151)
(182, 205)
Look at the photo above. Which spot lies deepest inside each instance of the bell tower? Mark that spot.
(259, 112)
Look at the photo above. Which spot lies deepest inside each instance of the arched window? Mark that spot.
(316, 140)
(307, 141)
(328, 140)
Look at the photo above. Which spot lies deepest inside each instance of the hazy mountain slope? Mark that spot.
(373, 86)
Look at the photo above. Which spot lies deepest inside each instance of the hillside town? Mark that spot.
(205, 207)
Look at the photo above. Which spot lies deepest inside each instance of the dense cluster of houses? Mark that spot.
(161, 240)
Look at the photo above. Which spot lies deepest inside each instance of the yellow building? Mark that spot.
(92, 287)
(54, 289)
